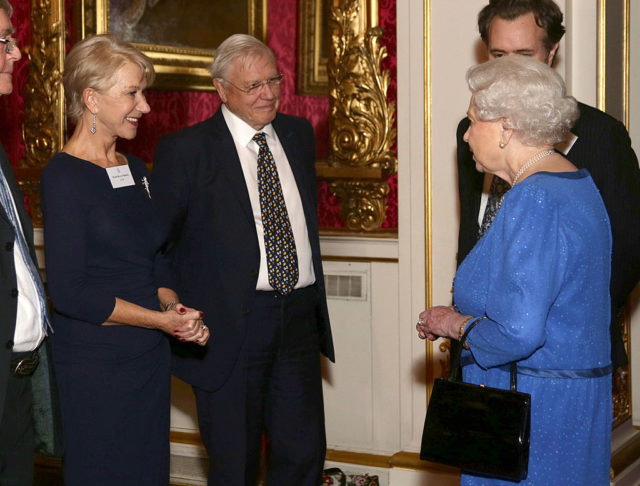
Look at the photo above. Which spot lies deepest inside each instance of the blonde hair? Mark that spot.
(93, 62)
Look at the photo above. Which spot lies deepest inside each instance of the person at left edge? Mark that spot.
(107, 278)
(261, 372)
(23, 314)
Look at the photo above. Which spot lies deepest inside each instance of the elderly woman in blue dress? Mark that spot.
(539, 277)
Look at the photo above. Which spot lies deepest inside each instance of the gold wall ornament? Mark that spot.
(363, 204)
(43, 125)
(30, 188)
(361, 119)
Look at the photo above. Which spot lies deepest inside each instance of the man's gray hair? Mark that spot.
(6, 6)
(527, 94)
(238, 45)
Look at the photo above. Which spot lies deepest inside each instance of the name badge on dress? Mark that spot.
(120, 176)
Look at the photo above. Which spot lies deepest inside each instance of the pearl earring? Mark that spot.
(501, 144)
(93, 128)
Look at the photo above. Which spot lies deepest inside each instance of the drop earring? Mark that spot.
(93, 128)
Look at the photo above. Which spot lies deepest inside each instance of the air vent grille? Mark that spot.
(346, 286)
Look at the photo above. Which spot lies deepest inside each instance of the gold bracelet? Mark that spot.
(462, 326)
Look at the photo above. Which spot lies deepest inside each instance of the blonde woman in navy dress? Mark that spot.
(538, 279)
(114, 309)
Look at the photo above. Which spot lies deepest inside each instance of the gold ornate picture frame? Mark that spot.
(181, 67)
(613, 98)
(313, 46)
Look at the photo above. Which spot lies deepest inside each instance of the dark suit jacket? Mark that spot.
(200, 190)
(603, 148)
(8, 283)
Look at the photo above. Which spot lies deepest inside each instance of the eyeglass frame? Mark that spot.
(254, 88)
(9, 44)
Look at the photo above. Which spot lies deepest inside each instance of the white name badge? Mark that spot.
(120, 176)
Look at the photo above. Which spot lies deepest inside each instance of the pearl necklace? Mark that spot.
(536, 158)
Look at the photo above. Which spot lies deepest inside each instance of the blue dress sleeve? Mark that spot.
(527, 262)
(66, 220)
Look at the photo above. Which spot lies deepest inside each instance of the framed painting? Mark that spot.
(178, 35)
(313, 46)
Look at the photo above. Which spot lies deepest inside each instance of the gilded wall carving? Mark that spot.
(364, 203)
(361, 119)
(43, 126)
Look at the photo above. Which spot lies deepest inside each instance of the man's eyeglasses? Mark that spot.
(272, 82)
(9, 44)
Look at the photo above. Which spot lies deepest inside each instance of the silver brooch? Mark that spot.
(145, 183)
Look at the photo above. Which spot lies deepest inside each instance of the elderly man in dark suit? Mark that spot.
(597, 142)
(23, 313)
(239, 194)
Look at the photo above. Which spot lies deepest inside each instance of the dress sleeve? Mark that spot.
(161, 272)
(65, 227)
(527, 262)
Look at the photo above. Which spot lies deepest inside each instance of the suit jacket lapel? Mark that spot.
(224, 149)
(5, 167)
(17, 196)
(296, 161)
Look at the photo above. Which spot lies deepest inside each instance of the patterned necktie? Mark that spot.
(7, 204)
(280, 246)
(497, 190)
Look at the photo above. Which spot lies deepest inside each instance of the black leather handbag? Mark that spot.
(482, 430)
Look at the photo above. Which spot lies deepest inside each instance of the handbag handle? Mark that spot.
(454, 373)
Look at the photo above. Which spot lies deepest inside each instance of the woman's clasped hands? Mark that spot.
(186, 324)
(440, 321)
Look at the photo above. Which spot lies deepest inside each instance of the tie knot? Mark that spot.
(260, 139)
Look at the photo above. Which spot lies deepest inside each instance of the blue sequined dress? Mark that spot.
(540, 275)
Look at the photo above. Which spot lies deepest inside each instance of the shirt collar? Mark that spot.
(241, 131)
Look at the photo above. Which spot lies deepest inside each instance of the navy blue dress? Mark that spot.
(114, 381)
(540, 274)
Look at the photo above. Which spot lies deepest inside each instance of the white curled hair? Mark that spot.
(237, 45)
(527, 94)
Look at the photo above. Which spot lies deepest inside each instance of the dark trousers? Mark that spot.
(275, 388)
(17, 434)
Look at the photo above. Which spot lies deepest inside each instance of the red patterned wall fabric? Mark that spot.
(172, 110)
(387, 19)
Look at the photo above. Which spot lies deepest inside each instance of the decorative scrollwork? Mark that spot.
(31, 190)
(364, 204)
(362, 133)
(42, 130)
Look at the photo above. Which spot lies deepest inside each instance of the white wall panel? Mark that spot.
(348, 385)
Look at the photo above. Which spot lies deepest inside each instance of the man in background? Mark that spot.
(23, 313)
(597, 142)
